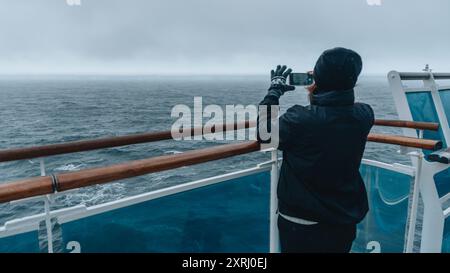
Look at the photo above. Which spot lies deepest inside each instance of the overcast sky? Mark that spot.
(218, 36)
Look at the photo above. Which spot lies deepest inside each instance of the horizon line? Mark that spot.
(157, 74)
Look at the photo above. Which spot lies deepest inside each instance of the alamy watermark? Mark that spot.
(73, 2)
(215, 122)
(374, 2)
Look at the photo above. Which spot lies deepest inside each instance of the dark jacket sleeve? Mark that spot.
(265, 117)
(269, 100)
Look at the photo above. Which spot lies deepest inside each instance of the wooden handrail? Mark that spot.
(427, 144)
(431, 126)
(102, 143)
(71, 180)
(66, 181)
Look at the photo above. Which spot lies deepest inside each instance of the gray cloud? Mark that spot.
(218, 36)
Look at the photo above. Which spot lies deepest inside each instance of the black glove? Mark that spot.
(278, 81)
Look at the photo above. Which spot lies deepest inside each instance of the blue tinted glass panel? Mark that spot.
(446, 241)
(232, 216)
(445, 98)
(422, 109)
(20, 243)
(383, 229)
(442, 181)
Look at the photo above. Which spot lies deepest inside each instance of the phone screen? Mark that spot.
(300, 79)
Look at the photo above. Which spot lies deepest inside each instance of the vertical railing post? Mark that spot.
(48, 223)
(415, 199)
(433, 217)
(414, 204)
(274, 234)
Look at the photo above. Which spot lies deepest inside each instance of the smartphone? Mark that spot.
(301, 79)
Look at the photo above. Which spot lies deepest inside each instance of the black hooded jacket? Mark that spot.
(323, 144)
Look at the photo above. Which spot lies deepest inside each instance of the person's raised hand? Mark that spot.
(279, 77)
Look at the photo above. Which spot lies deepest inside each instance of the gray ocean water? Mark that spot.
(39, 110)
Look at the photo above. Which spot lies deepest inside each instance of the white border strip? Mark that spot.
(417, 89)
(31, 223)
(445, 198)
(404, 169)
(447, 213)
(444, 88)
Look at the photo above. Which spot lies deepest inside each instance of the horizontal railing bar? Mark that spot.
(102, 143)
(431, 126)
(427, 144)
(66, 181)
(71, 180)
(423, 76)
(110, 142)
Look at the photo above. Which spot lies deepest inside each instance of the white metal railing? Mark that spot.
(433, 223)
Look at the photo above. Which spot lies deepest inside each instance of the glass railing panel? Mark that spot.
(445, 98)
(231, 216)
(442, 181)
(27, 242)
(423, 109)
(446, 237)
(384, 227)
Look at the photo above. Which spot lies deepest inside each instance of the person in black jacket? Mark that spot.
(321, 195)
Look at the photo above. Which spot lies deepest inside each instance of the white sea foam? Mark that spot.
(69, 167)
(173, 152)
